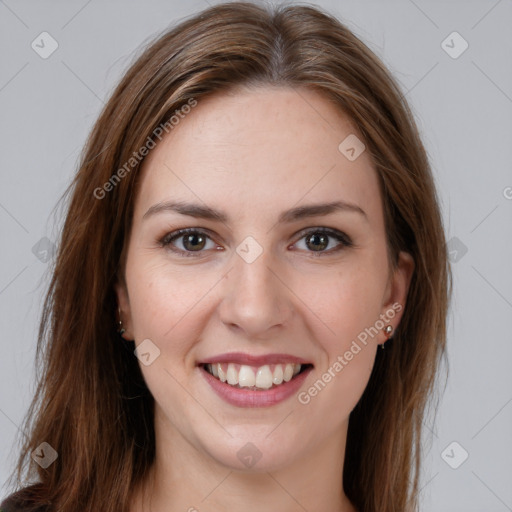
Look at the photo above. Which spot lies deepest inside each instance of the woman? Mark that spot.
(254, 214)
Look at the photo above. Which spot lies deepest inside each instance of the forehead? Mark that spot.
(259, 149)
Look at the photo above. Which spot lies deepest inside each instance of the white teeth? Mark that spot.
(222, 375)
(278, 374)
(246, 377)
(263, 377)
(288, 372)
(232, 374)
(250, 377)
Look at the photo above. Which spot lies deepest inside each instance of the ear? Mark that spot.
(396, 290)
(124, 311)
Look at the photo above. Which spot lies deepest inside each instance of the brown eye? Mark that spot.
(188, 242)
(194, 242)
(317, 241)
(320, 241)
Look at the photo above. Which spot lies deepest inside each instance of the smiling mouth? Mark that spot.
(255, 378)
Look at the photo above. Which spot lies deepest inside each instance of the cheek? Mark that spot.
(349, 305)
(165, 308)
(347, 300)
(162, 296)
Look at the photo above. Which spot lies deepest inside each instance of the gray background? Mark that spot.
(463, 107)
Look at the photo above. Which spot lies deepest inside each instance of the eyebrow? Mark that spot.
(292, 215)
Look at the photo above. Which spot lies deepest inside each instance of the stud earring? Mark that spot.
(120, 330)
(387, 330)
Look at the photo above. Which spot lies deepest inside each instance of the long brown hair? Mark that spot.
(92, 405)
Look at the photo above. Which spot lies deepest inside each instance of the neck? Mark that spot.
(184, 478)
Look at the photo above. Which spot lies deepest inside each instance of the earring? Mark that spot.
(387, 330)
(120, 330)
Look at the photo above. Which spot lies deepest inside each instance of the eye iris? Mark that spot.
(317, 238)
(194, 241)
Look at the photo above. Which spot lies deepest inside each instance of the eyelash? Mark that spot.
(341, 237)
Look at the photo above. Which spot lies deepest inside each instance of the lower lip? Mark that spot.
(248, 398)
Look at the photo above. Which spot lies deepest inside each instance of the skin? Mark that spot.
(253, 154)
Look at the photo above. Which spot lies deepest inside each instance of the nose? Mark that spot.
(256, 299)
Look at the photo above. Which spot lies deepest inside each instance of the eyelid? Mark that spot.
(332, 232)
(168, 238)
(343, 239)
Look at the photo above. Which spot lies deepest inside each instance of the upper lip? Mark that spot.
(250, 360)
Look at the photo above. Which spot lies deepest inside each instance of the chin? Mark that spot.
(253, 456)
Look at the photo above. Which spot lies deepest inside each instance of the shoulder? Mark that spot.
(23, 501)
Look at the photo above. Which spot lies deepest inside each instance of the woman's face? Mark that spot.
(268, 277)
